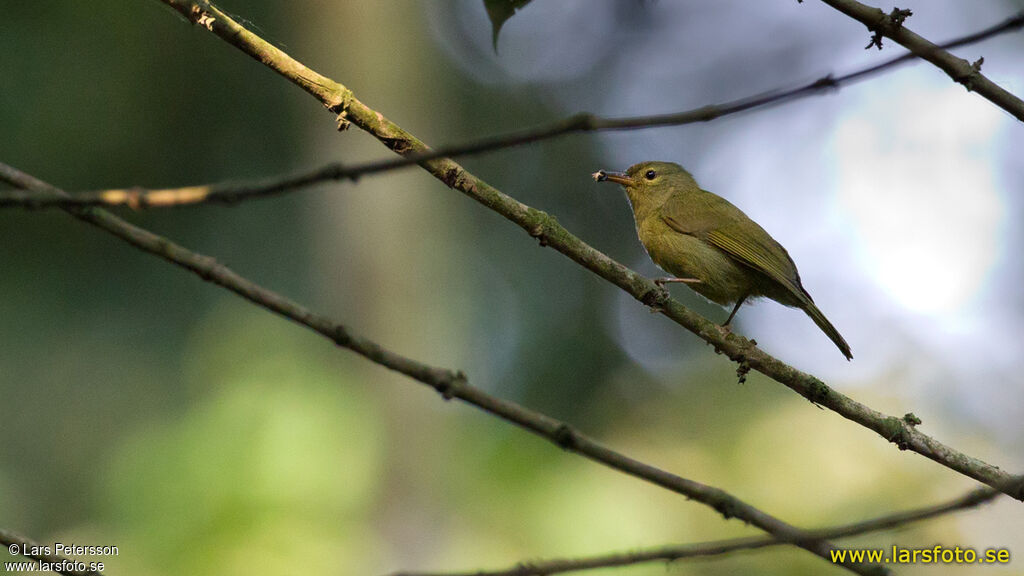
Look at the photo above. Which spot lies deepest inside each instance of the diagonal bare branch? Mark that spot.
(542, 226)
(960, 70)
(971, 499)
(234, 192)
(450, 384)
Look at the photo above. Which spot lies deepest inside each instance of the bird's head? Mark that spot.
(649, 183)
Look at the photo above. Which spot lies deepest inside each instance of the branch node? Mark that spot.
(340, 336)
(742, 369)
(656, 298)
(818, 392)
(565, 437)
(1019, 492)
(540, 229)
(342, 121)
(136, 199)
(894, 430)
(583, 121)
(898, 16)
(726, 507)
(710, 112)
(201, 17)
(398, 145)
(887, 24)
(207, 270)
(457, 381)
(338, 171)
(826, 82)
(451, 177)
(525, 568)
(968, 79)
(444, 388)
(340, 105)
(447, 383)
(911, 419)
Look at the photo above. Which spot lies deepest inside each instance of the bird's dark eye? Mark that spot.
(650, 175)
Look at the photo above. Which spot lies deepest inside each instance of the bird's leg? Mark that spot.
(662, 281)
(734, 311)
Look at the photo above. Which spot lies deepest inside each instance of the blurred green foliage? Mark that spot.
(145, 409)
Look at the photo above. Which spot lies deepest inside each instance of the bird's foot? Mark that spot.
(723, 329)
(663, 292)
(655, 306)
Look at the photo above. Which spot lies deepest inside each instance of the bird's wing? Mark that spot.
(739, 237)
(757, 254)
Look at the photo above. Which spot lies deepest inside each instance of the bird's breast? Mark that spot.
(722, 279)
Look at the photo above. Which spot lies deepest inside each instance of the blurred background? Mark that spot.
(145, 409)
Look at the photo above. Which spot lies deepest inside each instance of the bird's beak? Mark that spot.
(617, 177)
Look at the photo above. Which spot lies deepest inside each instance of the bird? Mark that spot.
(710, 245)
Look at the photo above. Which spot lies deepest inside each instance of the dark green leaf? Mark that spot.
(500, 11)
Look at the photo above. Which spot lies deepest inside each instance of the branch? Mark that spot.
(972, 499)
(448, 383)
(221, 193)
(960, 70)
(20, 546)
(233, 192)
(544, 227)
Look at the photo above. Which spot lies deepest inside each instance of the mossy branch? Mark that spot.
(961, 71)
(548, 232)
(448, 383)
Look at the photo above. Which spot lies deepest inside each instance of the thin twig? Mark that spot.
(21, 546)
(961, 71)
(972, 499)
(234, 192)
(542, 226)
(220, 193)
(450, 384)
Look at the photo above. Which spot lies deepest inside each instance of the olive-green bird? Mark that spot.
(711, 245)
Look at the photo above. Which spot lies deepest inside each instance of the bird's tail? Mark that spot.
(827, 328)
